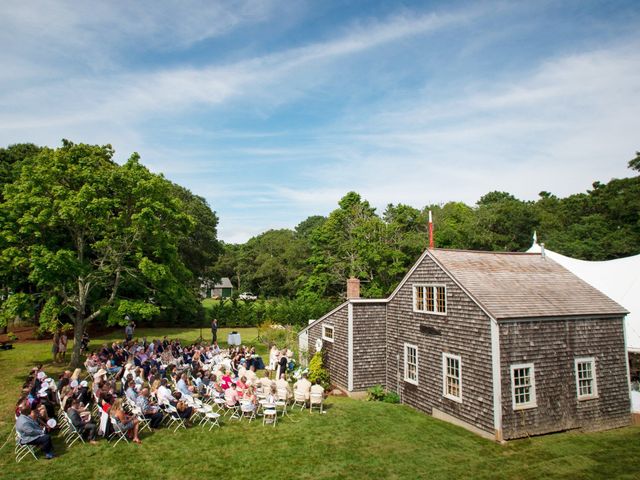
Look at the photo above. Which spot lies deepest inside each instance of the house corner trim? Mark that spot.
(496, 378)
(350, 348)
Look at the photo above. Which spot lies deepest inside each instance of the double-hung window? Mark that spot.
(452, 377)
(327, 333)
(523, 386)
(430, 299)
(411, 363)
(586, 384)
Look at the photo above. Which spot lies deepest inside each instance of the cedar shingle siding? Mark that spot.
(552, 346)
(463, 331)
(369, 345)
(336, 352)
(544, 314)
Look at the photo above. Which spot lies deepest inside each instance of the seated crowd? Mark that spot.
(137, 383)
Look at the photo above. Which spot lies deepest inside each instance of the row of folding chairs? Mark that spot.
(316, 400)
(68, 431)
(144, 422)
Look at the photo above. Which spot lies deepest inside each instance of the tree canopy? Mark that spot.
(84, 238)
(355, 240)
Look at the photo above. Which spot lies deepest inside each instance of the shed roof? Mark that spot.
(524, 285)
(224, 283)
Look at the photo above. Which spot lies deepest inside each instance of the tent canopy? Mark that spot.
(618, 279)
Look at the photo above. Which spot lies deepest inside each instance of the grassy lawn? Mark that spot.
(355, 439)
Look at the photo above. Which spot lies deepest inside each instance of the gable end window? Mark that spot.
(411, 363)
(586, 385)
(452, 377)
(523, 386)
(327, 333)
(430, 299)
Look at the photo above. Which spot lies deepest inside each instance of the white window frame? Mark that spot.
(406, 378)
(424, 300)
(324, 334)
(445, 393)
(533, 402)
(594, 380)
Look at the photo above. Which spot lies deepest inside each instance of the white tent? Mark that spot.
(618, 279)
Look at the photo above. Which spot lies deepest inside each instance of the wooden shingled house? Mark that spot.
(504, 344)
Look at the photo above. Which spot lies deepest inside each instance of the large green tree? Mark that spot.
(352, 242)
(97, 240)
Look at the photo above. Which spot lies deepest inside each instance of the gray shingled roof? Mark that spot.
(523, 285)
(223, 283)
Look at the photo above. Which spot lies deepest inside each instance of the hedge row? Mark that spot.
(283, 311)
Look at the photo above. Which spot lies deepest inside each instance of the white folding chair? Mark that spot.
(63, 424)
(247, 410)
(119, 434)
(316, 400)
(299, 399)
(281, 402)
(269, 415)
(175, 420)
(213, 419)
(202, 411)
(219, 404)
(23, 450)
(72, 435)
(104, 423)
(234, 411)
(144, 422)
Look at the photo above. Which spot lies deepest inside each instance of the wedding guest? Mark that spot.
(32, 433)
(86, 428)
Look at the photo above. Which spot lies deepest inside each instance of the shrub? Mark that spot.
(281, 336)
(378, 393)
(298, 311)
(391, 397)
(12, 336)
(317, 371)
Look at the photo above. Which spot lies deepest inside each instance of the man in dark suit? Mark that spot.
(214, 331)
(86, 429)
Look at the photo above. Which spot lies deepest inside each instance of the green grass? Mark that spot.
(355, 439)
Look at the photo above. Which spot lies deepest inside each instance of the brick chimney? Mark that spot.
(353, 288)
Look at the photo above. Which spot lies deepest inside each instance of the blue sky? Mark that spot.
(273, 110)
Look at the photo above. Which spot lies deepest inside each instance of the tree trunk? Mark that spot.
(78, 331)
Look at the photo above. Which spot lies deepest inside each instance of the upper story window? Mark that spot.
(523, 386)
(430, 299)
(327, 333)
(586, 384)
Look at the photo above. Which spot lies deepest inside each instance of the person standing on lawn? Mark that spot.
(62, 345)
(214, 331)
(128, 331)
(55, 345)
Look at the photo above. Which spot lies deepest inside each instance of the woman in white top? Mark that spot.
(274, 353)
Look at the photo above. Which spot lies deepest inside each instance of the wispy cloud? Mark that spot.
(415, 106)
(557, 127)
(131, 96)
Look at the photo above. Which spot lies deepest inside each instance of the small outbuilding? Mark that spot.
(504, 344)
(221, 289)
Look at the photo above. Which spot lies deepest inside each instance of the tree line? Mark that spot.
(315, 259)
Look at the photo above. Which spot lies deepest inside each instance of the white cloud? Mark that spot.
(132, 96)
(560, 127)
(557, 126)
